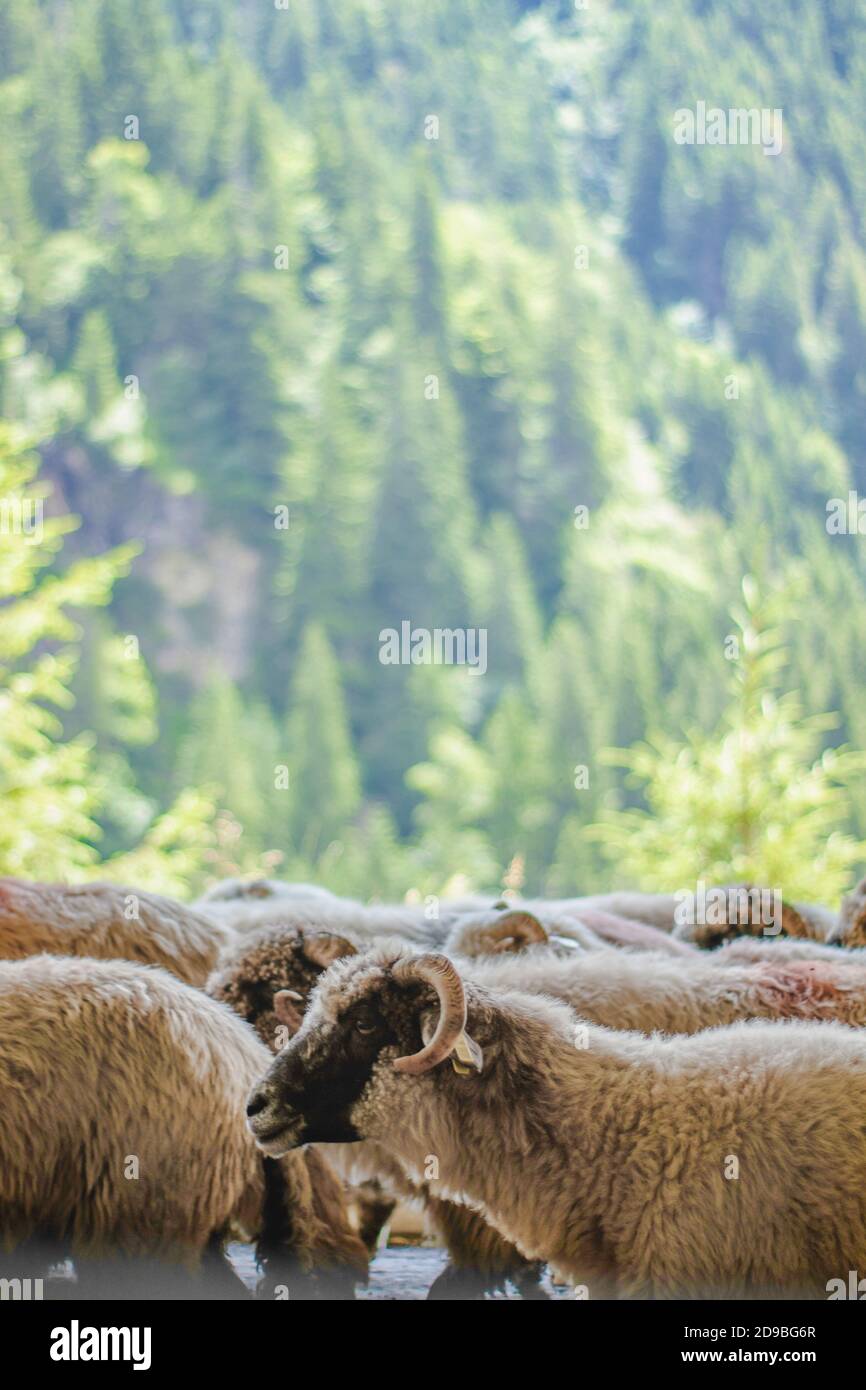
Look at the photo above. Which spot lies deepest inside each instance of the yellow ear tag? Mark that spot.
(467, 1056)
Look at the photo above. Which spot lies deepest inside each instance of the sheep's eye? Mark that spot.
(365, 1025)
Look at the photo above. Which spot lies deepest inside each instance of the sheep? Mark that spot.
(491, 934)
(254, 967)
(288, 961)
(106, 921)
(122, 1099)
(513, 926)
(654, 992)
(748, 915)
(590, 929)
(653, 909)
(327, 911)
(622, 989)
(622, 918)
(738, 911)
(233, 890)
(619, 989)
(756, 948)
(728, 1163)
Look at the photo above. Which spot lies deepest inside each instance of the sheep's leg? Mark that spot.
(217, 1277)
(375, 1207)
(528, 1282)
(481, 1259)
(462, 1285)
(283, 1274)
(306, 1246)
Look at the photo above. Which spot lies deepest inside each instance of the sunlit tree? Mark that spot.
(761, 799)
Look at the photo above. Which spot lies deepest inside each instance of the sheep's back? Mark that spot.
(105, 921)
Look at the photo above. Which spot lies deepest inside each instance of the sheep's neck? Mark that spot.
(537, 1150)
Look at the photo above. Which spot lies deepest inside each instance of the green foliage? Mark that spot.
(323, 775)
(437, 287)
(52, 791)
(177, 848)
(47, 802)
(755, 801)
(455, 789)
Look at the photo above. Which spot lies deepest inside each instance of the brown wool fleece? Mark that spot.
(123, 1094)
(105, 921)
(659, 993)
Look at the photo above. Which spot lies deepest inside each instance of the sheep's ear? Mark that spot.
(522, 929)
(324, 948)
(286, 1003)
(467, 1058)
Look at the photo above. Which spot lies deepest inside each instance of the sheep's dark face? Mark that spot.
(359, 1020)
(276, 958)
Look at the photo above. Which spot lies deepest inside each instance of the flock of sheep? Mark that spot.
(648, 1109)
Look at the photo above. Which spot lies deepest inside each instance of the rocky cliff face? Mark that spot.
(196, 591)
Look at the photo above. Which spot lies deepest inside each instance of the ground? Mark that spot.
(400, 1272)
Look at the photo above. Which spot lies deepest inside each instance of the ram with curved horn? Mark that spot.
(522, 1138)
(268, 977)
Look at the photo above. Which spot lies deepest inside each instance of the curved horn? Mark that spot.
(521, 926)
(285, 1004)
(437, 971)
(323, 948)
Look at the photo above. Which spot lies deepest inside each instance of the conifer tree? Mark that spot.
(521, 810)
(456, 787)
(323, 772)
(760, 800)
(510, 612)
